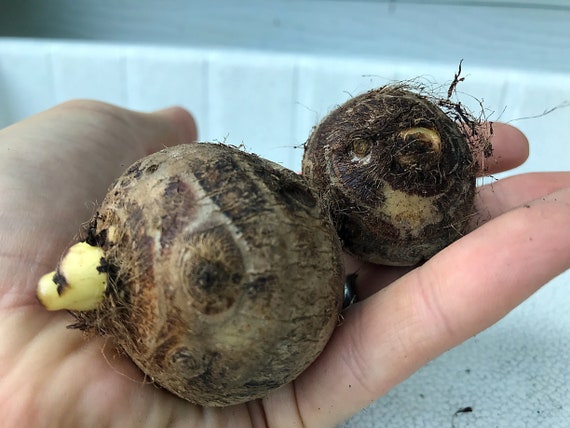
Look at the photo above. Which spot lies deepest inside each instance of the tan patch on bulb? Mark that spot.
(409, 213)
(113, 235)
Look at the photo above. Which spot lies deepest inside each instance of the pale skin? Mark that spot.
(54, 165)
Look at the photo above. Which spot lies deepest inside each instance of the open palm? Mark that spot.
(56, 165)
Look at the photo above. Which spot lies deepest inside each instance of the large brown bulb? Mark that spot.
(226, 276)
(396, 174)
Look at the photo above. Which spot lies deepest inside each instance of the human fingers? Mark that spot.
(510, 149)
(503, 195)
(459, 292)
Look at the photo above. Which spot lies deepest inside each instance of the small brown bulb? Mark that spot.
(395, 173)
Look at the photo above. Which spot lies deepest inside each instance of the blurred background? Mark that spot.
(263, 73)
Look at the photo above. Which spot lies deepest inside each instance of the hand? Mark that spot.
(54, 165)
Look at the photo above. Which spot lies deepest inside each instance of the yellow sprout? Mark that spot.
(78, 283)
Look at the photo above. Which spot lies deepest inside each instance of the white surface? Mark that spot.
(263, 73)
(267, 101)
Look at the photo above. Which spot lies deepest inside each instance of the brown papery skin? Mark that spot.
(395, 197)
(226, 275)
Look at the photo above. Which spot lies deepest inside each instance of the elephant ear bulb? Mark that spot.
(216, 271)
(395, 170)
